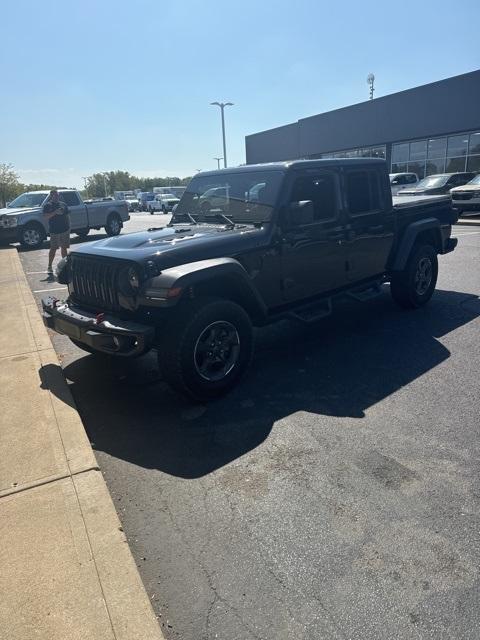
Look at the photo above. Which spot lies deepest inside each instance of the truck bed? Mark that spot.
(411, 208)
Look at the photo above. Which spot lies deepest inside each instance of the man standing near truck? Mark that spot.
(56, 212)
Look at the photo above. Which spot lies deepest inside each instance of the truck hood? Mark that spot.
(422, 192)
(173, 246)
(19, 210)
(466, 187)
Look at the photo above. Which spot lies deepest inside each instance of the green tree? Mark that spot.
(10, 187)
(100, 184)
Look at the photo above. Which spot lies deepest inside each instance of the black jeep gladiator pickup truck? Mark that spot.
(246, 247)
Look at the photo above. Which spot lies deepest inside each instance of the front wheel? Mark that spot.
(114, 225)
(414, 286)
(32, 235)
(206, 348)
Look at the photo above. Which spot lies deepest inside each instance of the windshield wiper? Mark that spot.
(221, 215)
(184, 213)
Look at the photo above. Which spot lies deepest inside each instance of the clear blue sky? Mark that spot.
(97, 85)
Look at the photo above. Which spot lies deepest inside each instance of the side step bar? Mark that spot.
(318, 309)
(311, 312)
(366, 293)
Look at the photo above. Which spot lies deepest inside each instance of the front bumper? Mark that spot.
(466, 205)
(450, 245)
(104, 332)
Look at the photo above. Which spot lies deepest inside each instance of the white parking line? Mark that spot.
(32, 273)
(46, 290)
(466, 233)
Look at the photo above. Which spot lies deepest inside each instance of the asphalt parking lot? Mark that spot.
(333, 494)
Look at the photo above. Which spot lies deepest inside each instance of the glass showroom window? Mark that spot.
(400, 152)
(474, 147)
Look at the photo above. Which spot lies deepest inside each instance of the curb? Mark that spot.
(97, 551)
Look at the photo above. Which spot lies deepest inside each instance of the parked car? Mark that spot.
(144, 198)
(438, 184)
(163, 202)
(467, 197)
(216, 197)
(132, 203)
(400, 181)
(319, 230)
(23, 221)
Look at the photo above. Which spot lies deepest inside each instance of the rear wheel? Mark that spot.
(114, 225)
(32, 235)
(414, 286)
(207, 347)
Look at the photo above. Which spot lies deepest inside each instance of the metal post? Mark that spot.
(223, 137)
(218, 162)
(105, 185)
(222, 106)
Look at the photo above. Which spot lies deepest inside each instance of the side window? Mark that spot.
(70, 198)
(320, 189)
(363, 192)
(411, 178)
(402, 180)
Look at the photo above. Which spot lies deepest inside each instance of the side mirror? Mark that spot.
(301, 213)
(394, 182)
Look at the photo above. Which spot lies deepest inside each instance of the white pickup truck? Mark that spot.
(163, 202)
(23, 221)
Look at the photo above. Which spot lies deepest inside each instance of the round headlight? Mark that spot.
(129, 281)
(133, 280)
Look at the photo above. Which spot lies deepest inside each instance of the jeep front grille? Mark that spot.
(95, 282)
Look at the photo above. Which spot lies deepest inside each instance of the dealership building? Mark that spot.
(430, 129)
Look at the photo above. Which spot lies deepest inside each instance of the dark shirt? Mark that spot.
(60, 222)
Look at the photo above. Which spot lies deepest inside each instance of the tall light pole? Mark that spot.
(218, 162)
(222, 106)
(84, 178)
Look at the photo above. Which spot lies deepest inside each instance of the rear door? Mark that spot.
(78, 211)
(313, 255)
(370, 225)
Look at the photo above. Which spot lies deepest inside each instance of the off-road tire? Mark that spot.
(179, 348)
(406, 286)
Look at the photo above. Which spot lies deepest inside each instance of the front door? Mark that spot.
(370, 225)
(313, 254)
(76, 208)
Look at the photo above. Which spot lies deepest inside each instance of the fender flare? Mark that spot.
(158, 290)
(409, 237)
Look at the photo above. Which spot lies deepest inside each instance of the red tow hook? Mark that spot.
(99, 318)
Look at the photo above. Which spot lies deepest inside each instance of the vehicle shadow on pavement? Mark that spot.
(338, 367)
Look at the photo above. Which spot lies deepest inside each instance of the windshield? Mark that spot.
(476, 180)
(28, 200)
(239, 197)
(432, 182)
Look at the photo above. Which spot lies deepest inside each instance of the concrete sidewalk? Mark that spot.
(66, 571)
